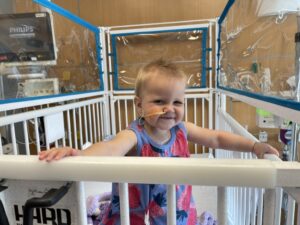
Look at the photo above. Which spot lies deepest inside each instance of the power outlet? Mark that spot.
(263, 136)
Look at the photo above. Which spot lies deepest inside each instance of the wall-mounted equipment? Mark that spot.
(26, 39)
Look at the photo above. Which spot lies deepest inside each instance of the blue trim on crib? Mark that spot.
(288, 103)
(204, 51)
(221, 19)
(225, 11)
(114, 53)
(67, 14)
(12, 100)
(99, 59)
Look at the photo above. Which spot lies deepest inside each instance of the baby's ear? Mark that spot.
(138, 105)
(138, 102)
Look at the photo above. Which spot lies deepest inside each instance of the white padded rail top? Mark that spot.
(195, 171)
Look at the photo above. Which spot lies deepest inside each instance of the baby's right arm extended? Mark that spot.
(121, 144)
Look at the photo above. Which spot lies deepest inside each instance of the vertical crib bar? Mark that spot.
(244, 212)
(171, 203)
(278, 203)
(90, 123)
(81, 209)
(124, 204)
(75, 128)
(94, 122)
(101, 116)
(1, 148)
(98, 121)
(37, 136)
(235, 214)
(85, 125)
(133, 110)
(260, 206)
(291, 211)
(239, 201)
(195, 121)
(64, 138)
(113, 115)
(269, 206)
(210, 112)
(248, 205)
(26, 137)
(253, 206)
(56, 144)
(13, 136)
(222, 203)
(254, 192)
(126, 113)
(119, 115)
(64, 141)
(80, 127)
(69, 129)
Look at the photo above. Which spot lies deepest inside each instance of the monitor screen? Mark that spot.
(26, 38)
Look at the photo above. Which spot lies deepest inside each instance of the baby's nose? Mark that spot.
(168, 108)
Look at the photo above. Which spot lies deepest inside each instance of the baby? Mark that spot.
(159, 132)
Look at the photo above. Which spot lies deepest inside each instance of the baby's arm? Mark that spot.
(226, 140)
(122, 143)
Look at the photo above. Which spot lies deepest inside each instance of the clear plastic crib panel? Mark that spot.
(258, 50)
(185, 46)
(43, 53)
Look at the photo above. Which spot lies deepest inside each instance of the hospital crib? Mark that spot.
(248, 190)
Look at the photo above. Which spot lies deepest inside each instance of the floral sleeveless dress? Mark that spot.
(151, 199)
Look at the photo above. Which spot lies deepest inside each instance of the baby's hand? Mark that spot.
(260, 149)
(58, 153)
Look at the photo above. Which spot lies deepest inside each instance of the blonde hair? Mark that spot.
(159, 66)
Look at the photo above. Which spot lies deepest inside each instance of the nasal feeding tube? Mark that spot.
(155, 114)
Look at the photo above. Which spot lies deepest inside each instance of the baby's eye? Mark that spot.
(158, 101)
(178, 103)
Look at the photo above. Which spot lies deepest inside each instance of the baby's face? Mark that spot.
(163, 94)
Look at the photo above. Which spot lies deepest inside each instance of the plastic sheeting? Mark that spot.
(258, 48)
(186, 48)
(76, 69)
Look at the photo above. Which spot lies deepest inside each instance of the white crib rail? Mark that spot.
(83, 121)
(194, 171)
